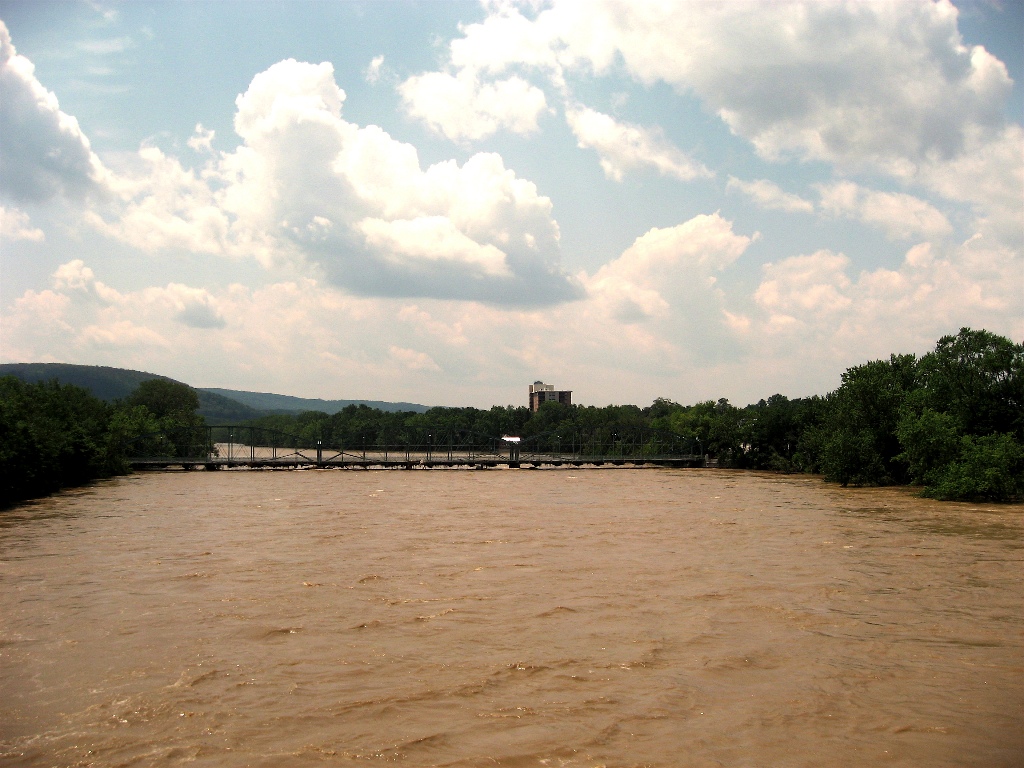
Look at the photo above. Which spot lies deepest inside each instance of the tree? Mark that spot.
(51, 436)
(166, 399)
(771, 430)
(930, 441)
(988, 468)
(714, 426)
(977, 377)
(172, 407)
(860, 444)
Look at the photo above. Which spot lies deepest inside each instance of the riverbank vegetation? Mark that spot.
(55, 435)
(951, 422)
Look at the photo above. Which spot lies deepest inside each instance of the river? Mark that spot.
(571, 617)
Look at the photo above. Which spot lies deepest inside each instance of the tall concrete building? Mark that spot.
(546, 393)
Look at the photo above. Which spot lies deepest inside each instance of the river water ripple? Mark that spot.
(509, 617)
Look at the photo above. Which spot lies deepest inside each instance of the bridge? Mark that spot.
(235, 446)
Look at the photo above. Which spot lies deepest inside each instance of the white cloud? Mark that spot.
(194, 307)
(285, 336)
(308, 186)
(119, 335)
(106, 45)
(413, 360)
(623, 147)
(656, 321)
(373, 69)
(15, 225)
(802, 287)
(163, 205)
(431, 238)
(899, 215)
(770, 196)
(76, 277)
(875, 85)
(43, 152)
(887, 87)
(989, 175)
(202, 139)
(812, 314)
(450, 273)
(462, 107)
(506, 38)
(665, 285)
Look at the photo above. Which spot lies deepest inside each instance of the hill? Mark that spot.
(116, 383)
(271, 403)
(105, 383)
(217, 406)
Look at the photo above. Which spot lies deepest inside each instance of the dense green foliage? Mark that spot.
(51, 436)
(951, 422)
(55, 436)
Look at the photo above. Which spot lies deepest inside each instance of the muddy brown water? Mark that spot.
(509, 617)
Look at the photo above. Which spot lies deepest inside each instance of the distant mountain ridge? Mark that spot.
(217, 406)
(104, 382)
(271, 403)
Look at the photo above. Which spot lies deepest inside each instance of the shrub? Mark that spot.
(989, 468)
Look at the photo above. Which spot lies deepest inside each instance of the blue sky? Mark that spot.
(441, 202)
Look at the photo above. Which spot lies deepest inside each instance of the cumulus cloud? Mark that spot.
(657, 320)
(82, 318)
(413, 360)
(304, 187)
(876, 85)
(804, 286)
(655, 309)
(770, 196)
(194, 307)
(989, 175)
(463, 107)
(432, 239)
(43, 152)
(623, 147)
(308, 186)
(280, 337)
(401, 239)
(75, 277)
(15, 225)
(887, 87)
(162, 205)
(935, 290)
(667, 280)
(899, 215)
(507, 38)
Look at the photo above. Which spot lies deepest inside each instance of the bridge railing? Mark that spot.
(241, 444)
(628, 444)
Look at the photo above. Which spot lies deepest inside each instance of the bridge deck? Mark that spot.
(296, 461)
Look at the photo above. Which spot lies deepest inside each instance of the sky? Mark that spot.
(442, 202)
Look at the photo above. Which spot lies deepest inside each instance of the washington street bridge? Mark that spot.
(233, 446)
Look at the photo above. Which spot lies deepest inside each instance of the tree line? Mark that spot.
(55, 435)
(951, 422)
